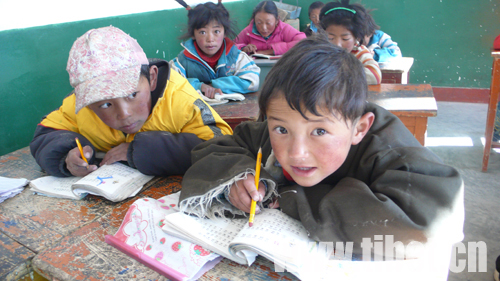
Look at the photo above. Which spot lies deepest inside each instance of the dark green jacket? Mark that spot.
(388, 185)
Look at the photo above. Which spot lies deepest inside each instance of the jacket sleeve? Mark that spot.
(176, 65)
(50, 148)
(220, 162)
(161, 153)
(372, 69)
(291, 36)
(55, 136)
(245, 79)
(242, 39)
(385, 49)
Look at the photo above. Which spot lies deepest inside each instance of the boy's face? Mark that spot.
(340, 36)
(126, 114)
(210, 38)
(314, 16)
(309, 150)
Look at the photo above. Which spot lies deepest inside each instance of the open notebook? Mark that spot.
(222, 99)
(140, 236)
(114, 182)
(285, 241)
(273, 235)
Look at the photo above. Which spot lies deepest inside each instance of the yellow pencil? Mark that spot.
(257, 176)
(81, 149)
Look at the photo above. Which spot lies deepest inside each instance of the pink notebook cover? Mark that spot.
(144, 259)
(141, 237)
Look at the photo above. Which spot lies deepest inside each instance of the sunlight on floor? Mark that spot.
(448, 141)
(483, 141)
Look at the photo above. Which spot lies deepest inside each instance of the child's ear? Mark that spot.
(153, 77)
(362, 127)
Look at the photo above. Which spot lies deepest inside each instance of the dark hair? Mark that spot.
(145, 72)
(266, 7)
(203, 14)
(371, 25)
(317, 74)
(356, 23)
(315, 5)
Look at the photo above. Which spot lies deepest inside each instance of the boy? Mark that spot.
(122, 104)
(314, 11)
(346, 168)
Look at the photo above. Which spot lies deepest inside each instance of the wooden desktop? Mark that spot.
(63, 239)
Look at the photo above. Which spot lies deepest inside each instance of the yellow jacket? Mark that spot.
(179, 110)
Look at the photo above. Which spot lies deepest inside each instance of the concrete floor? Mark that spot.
(465, 123)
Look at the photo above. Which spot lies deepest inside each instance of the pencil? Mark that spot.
(81, 149)
(257, 178)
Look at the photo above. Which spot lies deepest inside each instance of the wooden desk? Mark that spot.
(397, 71)
(63, 239)
(265, 66)
(413, 104)
(492, 110)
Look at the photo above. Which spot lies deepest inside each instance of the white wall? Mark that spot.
(29, 13)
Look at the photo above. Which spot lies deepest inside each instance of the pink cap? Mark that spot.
(104, 63)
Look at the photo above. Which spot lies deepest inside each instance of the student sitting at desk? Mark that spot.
(380, 43)
(211, 62)
(267, 34)
(346, 168)
(346, 27)
(132, 109)
(314, 11)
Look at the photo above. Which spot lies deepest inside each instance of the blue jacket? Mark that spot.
(385, 49)
(235, 72)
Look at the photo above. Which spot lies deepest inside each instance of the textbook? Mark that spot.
(222, 99)
(114, 182)
(140, 236)
(262, 56)
(284, 240)
(274, 235)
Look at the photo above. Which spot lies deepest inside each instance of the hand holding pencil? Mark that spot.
(244, 191)
(257, 179)
(77, 163)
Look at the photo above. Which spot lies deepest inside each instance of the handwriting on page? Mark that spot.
(218, 232)
(275, 228)
(109, 175)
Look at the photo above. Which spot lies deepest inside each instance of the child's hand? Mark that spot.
(76, 165)
(115, 154)
(249, 49)
(243, 191)
(210, 91)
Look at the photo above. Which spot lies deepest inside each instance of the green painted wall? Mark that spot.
(449, 39)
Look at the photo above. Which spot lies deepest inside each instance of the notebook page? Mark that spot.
(275, 236)
(55, 186)
(213, 234)
(110, 179)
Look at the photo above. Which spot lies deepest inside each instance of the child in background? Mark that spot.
(314, 11)
(133, 109)
(267, 34)
(346, 168)
(211, 62)
(346, 26)
(379, 43)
